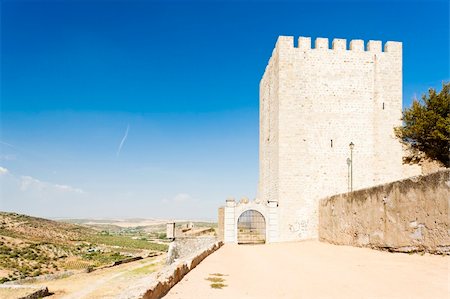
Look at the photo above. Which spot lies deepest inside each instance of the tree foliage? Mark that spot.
(426, 124)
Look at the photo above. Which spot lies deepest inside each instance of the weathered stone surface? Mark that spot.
(173, 274)
(158, 284)
(315, 101)
(408, 215)
(186, 246)
(25, 292)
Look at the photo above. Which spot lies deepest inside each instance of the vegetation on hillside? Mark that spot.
(426, 124)
(31, 246)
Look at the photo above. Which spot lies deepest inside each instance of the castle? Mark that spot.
(326, 127)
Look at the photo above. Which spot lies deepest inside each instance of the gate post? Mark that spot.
(170, 231)
(229, 221)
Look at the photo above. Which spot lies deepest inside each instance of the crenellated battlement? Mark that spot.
(339, 44)
(327, 112)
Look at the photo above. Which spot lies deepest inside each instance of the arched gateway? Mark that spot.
(248, 222)
(251, 228)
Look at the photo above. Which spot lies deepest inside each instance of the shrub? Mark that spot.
(426, 124)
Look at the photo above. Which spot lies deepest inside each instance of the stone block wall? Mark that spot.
(268, 126)
(408, 215)
(315, 99)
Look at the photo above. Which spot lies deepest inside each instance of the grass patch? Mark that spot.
(218, 285)
(217, 282)
(78, 264)
(215, 279)
(144, 270)
(103, 258)
(217, 274)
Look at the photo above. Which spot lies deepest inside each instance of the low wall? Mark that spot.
(187, 246)
(407, 216)
(158, 284)
(44, 277)
(127, 260)
(23, 292)
(173, 274)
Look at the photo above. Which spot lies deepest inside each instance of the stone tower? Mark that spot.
(314, 102)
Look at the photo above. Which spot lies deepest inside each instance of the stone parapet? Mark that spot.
(157, 285)
(407, 216)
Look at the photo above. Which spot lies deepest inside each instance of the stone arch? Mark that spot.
(251, 227)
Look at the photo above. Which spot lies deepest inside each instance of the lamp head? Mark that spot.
(351, 145)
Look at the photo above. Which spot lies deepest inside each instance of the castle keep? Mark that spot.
(316, 100)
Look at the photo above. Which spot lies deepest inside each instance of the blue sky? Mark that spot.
(176, 82)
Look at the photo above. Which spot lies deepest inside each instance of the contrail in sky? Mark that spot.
(8, 144)
(123, 140)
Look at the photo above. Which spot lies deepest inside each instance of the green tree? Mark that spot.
(426, 124)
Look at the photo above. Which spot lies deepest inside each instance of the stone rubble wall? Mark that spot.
(44, 277)
(158, 284)
(33, 292)
(410, 215)
(187, 246)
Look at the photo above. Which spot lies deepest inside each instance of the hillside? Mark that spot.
(40, 229)
(31, 246)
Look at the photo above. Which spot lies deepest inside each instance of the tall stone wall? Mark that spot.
(313, 103)
(407, 215)
(268, 137)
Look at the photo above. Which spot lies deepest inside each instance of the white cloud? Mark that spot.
(28, 183)
(67, 188)
(180, 198)
(3, 171)
(29, 195)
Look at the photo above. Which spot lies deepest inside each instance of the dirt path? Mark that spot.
(315, 270)
(103, 283)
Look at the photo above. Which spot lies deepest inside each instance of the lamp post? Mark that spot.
(351, 145)
(348, 174)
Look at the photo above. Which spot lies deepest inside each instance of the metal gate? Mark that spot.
(251, 228)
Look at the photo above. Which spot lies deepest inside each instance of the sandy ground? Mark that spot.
(316, 270)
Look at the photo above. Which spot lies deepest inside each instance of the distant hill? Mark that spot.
(31, 246)
(42, 230)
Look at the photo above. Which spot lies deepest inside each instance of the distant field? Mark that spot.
(138, 223)
(126, 242)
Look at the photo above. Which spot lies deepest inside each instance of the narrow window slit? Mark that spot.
(331, 143)
(383, 105)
